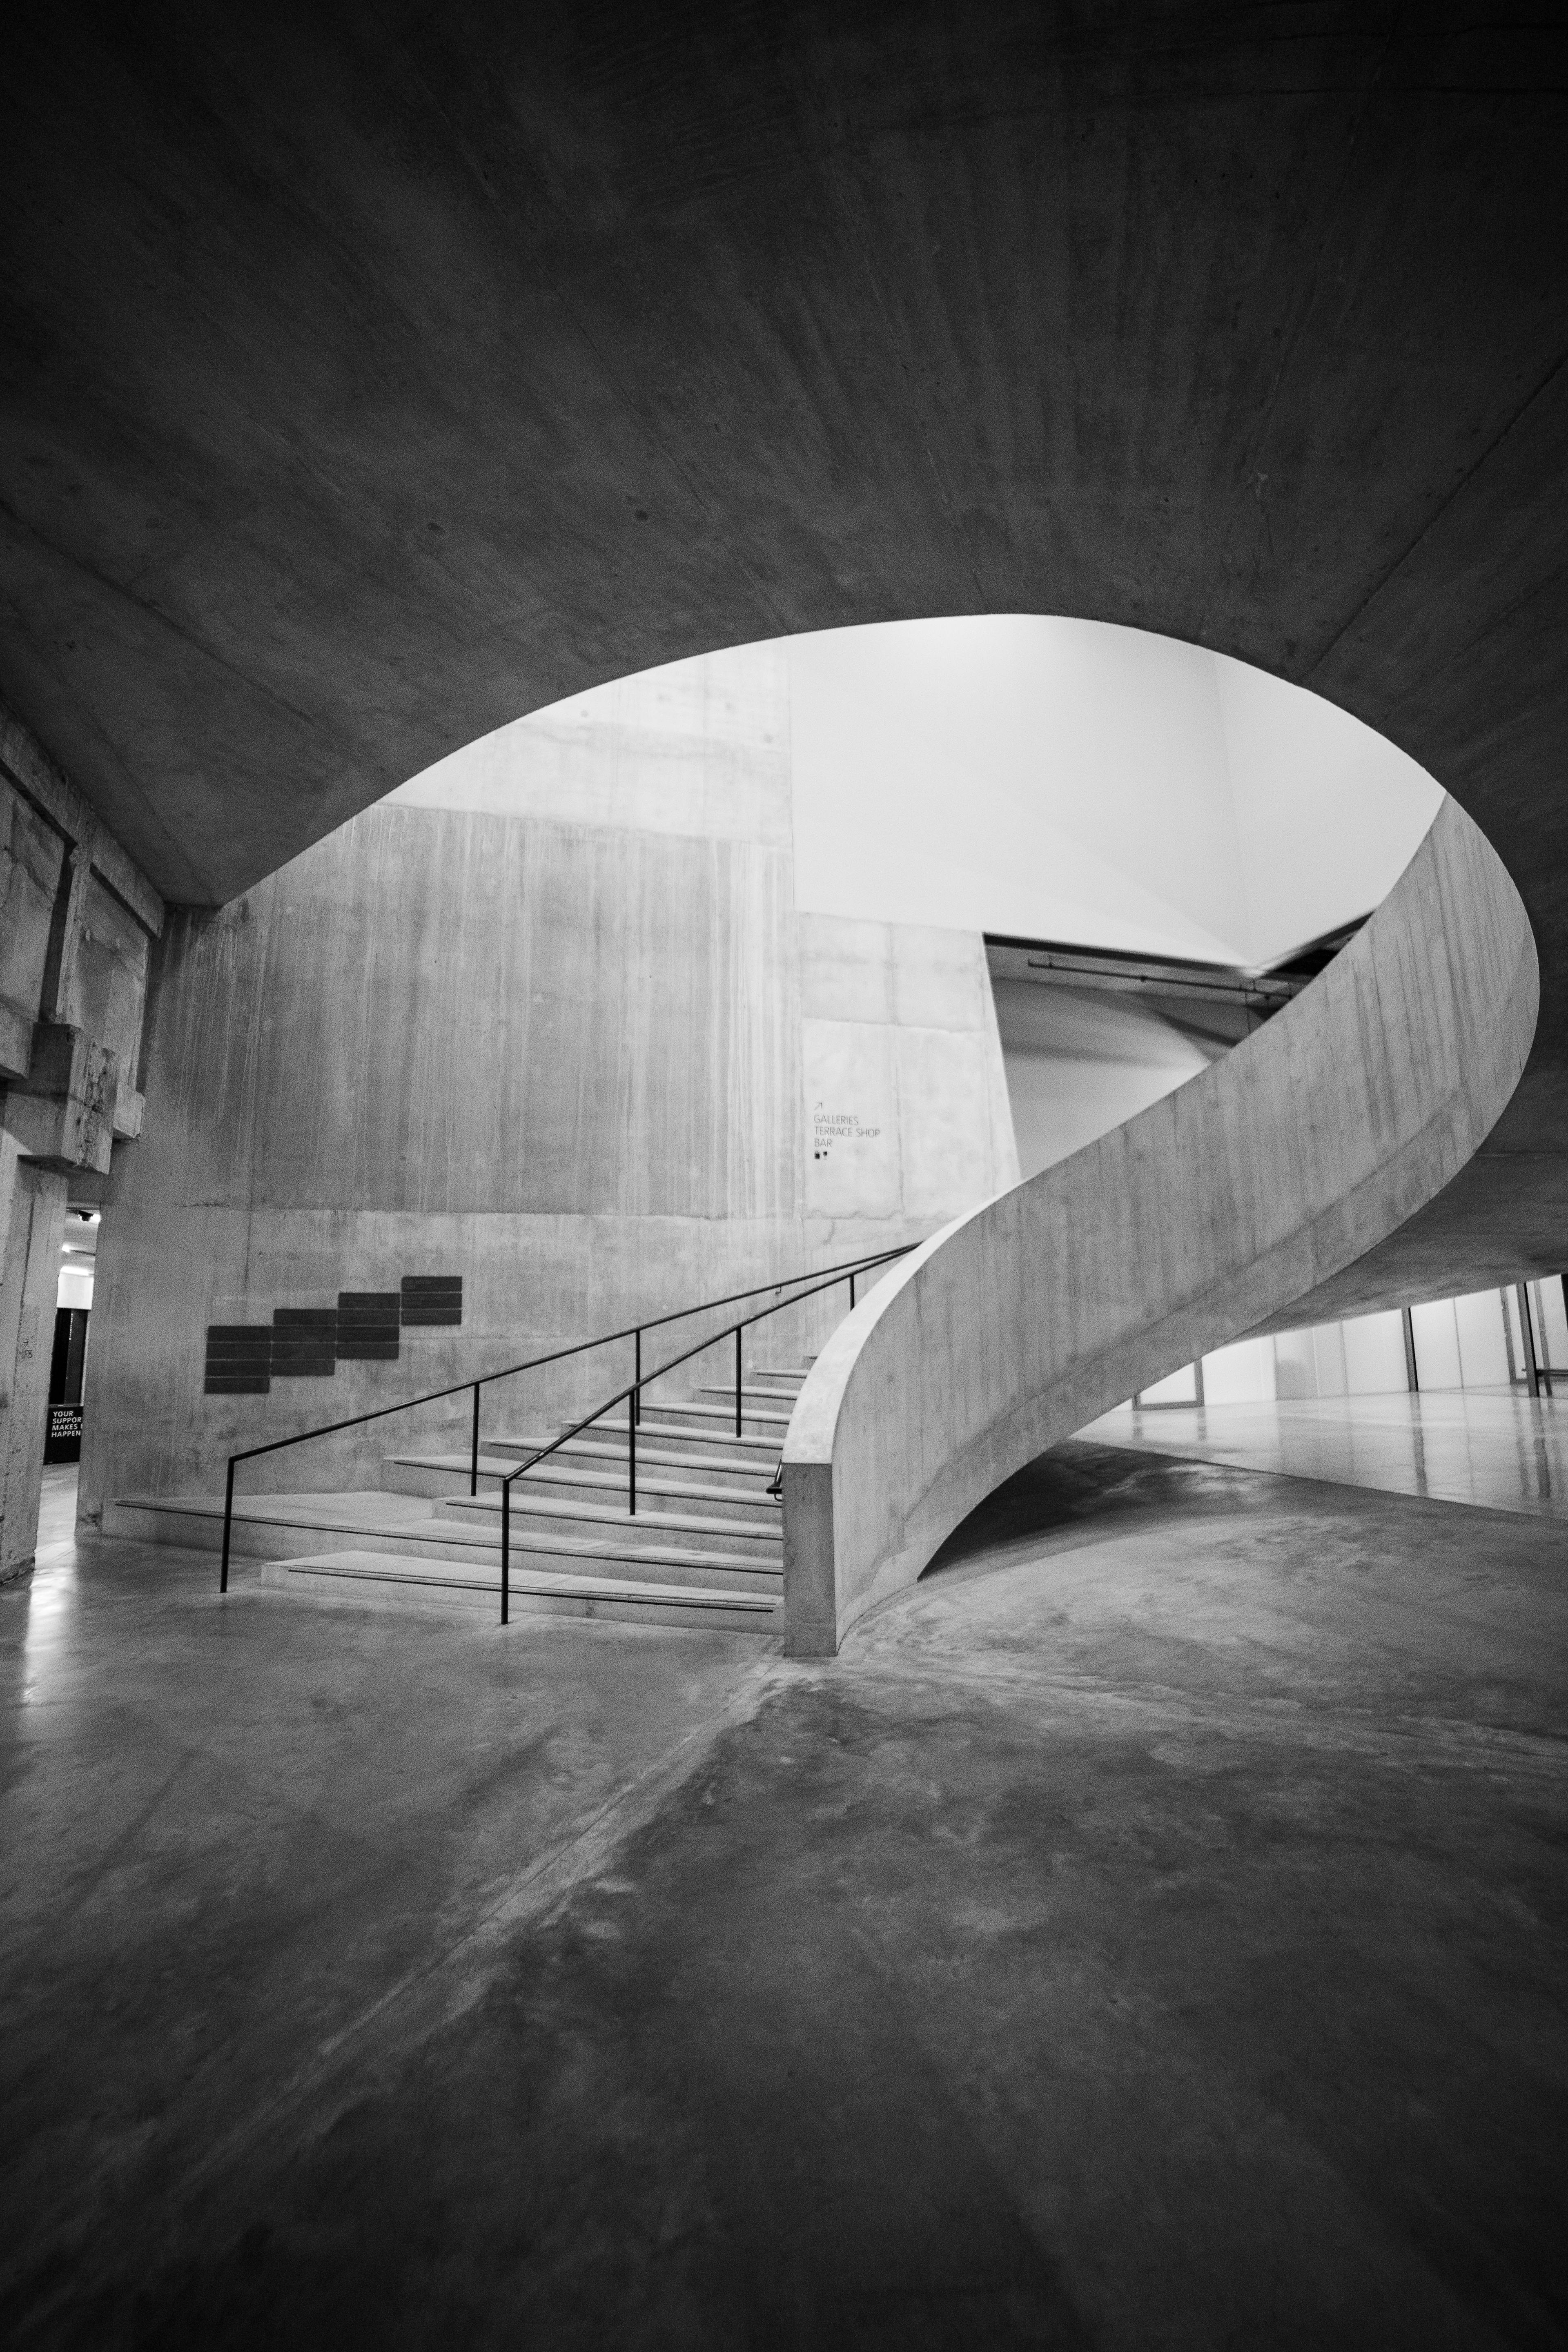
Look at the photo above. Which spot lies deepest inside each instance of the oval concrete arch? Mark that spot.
(1258, 344)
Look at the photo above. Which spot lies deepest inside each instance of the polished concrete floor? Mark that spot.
(1496, 1447)
(1149, 1933)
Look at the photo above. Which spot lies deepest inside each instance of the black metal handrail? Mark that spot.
(634, 1393)
(823, 1278)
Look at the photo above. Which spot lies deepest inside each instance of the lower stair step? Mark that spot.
(686, 1452)
(444, 1477)
(422, 1582)
(536, 1513)
(296, 1526)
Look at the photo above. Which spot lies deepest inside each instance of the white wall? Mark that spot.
(1551, 1323)
(1050, 778)
(1065, 778)
(1374, 1355)
(1079, 1063)
(1043, 776)
(1460, 1343)
(1328, 814)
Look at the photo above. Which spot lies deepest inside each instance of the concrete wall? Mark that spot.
(905, 1094)
(1186, 1228)
(560, 1061)
(576, 1059)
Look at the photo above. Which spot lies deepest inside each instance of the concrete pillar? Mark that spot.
(32, 1226)
(77, 919)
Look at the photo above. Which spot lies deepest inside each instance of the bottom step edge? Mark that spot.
(592, 1595)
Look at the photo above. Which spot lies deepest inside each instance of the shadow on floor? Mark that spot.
(1149, 1932)
(1089, 1490)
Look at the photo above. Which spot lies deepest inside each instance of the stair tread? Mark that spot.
(695, 1405)
(656, 1429)
(749, 1395)
(413, 1569)
(647, 1452)
(316, 1511)
(557, 1506)
(596, 1481)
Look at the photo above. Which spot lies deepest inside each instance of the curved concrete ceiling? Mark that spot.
(370, 377)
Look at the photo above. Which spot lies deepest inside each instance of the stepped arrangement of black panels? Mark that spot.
(310, 1342)
(432, 1299)
(304, 1342)
(239, 1358)
(368, 1323)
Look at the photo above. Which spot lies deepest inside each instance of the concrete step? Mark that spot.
(289, 1527)
(708, 1435)
(761, 1422)
(422, 1582)
(777, 1399)
(677, 1451)
(543, 1514)
(441, 1477)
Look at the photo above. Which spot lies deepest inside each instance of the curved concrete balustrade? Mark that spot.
(1256, 1182)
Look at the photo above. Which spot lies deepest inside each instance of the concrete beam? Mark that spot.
(63, 1114)
(77, 919)
(29, 767)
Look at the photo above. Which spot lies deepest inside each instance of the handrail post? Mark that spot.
(851, 1293)
(474, 1458)
(632, 1459)
(737, 1380)
(637, 1374)
(505, 1550)
(227, 1523)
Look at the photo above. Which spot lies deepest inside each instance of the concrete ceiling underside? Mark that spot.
(374, 376)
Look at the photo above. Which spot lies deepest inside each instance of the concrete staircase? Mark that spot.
(705, 1547)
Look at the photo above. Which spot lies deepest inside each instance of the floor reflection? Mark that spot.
(57, 1505)
(48, 1603)
(1490, 1446)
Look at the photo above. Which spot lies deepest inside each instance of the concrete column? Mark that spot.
(32, 1226)
(77, 919)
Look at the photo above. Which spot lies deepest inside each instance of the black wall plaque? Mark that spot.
(304, 1342)
(368, 1323)
(432, 1299)
(239, 1358)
